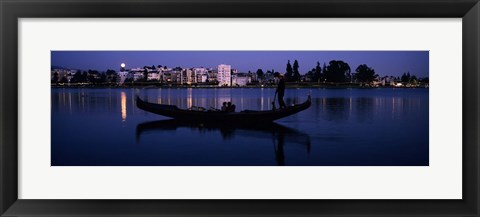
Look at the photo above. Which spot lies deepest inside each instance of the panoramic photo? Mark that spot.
(239, 108)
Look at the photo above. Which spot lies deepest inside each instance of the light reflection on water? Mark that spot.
(124, 106)
(343, 127)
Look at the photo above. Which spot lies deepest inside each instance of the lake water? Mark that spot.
(343, 127)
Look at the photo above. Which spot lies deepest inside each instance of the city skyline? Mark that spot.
(384, 63)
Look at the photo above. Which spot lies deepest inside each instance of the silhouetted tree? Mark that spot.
(337, 71)
(424, 80)
(145, 74)
(64, 80)
(111, 75)
(110, 72)
(405, 77)
(296, 73)
(128, 80)
(414, 78)
(365, 73)
(55, 78)
(324, 71)
(289, 72)
(84, 77)
(93, 76)
(260, 73)
(103, 78)
(269, 77)
(310, 75)
(77, 77)
(317, 75)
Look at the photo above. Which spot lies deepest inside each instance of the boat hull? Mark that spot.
(246, 116)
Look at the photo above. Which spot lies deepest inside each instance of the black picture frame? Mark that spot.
(12, 10)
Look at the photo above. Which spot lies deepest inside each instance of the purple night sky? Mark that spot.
(383, 62)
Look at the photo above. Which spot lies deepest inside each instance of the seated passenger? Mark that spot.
(224, 107)
(230, 107)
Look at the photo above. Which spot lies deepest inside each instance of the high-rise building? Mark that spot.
(224, 75)
(200, 75)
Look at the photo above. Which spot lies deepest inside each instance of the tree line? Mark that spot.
(90, 76)
(97, 77)
(337, 71)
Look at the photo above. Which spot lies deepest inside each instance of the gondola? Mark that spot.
(245, 116)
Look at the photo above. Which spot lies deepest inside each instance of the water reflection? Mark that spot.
(365, 108)
(281, 135)
(336, 109)
(360, 108)
(124, 106)
(344, 127)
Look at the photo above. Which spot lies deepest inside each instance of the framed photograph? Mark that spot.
(230, 108)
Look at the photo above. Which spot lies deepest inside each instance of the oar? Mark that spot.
(273, 103)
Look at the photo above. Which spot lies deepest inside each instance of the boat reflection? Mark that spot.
(281, 135)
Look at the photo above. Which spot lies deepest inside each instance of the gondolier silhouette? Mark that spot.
(280, 92)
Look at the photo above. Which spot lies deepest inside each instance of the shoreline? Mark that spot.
(322, 86)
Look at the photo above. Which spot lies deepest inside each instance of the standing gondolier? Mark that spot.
(281, 91)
